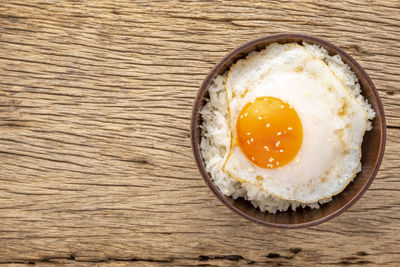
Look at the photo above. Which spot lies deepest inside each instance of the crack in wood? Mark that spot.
(72, 258)
(393, 127)
(226, 257)
(201, 258)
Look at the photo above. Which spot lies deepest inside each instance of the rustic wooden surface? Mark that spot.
(95, 159)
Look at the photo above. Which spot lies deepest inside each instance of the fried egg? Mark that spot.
(296, 131)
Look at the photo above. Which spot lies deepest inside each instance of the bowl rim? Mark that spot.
(196, 113)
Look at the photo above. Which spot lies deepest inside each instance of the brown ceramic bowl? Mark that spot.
(372, 149)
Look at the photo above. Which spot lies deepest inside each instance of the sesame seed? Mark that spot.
(290, 128)
(279, 133)
(253, 158)
(281, 150)
(271, 159)
(249, 133)
(245, 114)
(291, 107)
(265, 99)
(282, 106)
(277, 143)
(260, 118)
(252, 140)
(255, 111)
(277, 163)
(248, 142)
(266, 147)
(268, 125)
(226, 191)
(252, 101)
(241, 116)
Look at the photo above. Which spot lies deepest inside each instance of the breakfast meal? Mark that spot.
(283, 127)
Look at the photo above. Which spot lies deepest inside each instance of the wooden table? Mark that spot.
(96, 163)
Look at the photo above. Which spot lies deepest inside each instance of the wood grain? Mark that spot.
(96, 165)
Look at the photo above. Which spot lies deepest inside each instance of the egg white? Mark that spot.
(333, 123)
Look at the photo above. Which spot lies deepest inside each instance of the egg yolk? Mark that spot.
(269, 132)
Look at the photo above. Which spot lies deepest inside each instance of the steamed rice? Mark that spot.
(215, 141)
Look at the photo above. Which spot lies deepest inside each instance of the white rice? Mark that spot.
(216, 136)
